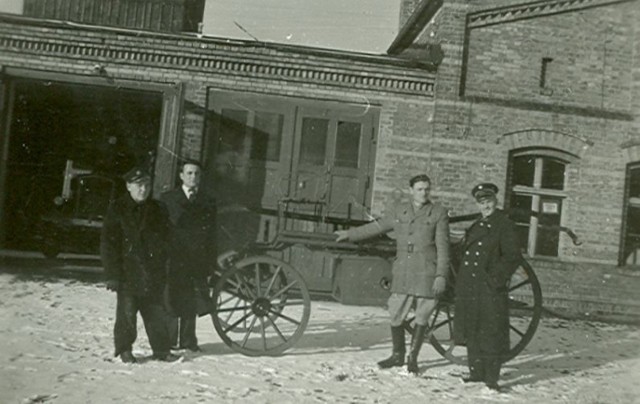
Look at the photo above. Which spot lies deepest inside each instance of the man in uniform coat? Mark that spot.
(133, 249)
(421, 266)
(490, 255)
(191, 253)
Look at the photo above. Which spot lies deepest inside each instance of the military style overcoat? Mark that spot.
(133, 246)
(192, 252)
(490, 255)
(422, 243)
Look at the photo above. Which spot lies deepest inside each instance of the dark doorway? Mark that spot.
(54, 126)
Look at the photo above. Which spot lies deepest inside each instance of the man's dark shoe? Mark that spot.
(472, 379)
(166, 357)
(396, 359)
(127, 357)
(493, 386)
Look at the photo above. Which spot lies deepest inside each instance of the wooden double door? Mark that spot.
(263, 150)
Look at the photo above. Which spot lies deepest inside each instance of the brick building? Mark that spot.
(540, 98)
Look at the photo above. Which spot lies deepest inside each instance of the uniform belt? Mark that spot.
(410, 248)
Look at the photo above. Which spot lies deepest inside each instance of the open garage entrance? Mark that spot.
(57, 130)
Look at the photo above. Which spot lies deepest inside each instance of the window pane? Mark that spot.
(552, 174)
(548, 227)
(313, 144)
(520, 212)
(631, 253)
(233, 124)
(267, 136)
(523, 170)
(348, 144)
(520, 208)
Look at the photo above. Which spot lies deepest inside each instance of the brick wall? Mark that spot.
(488, 103)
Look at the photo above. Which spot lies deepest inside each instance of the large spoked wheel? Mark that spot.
(525, 309)
(262, 306)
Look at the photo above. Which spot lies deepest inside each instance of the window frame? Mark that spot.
(538, 193)
(635, 165)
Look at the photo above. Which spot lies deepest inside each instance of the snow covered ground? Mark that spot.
(57, 348)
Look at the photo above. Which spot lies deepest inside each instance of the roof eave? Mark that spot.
(414, 26)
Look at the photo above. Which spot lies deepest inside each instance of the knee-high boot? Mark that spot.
(397, 355)
(416, 343)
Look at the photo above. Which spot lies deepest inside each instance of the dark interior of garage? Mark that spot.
(61, 130)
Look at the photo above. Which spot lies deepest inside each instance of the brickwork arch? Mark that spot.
(545, 138)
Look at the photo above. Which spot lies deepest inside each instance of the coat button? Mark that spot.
(466, 262)
(475, 264)
(477, 253)
(467, 253)
(479, 242)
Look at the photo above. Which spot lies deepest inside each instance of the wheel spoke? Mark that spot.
(257, 265)
(519, 285)
(289, 303)
(231, 313)
(275, 327)
(264, 336)
(233, 309)
(245, 288)
(296, 322)
(281, 291)
(234, 325)
(273, 280)
(521, 334)
(246, 337)
(230, 298)
(435, 316)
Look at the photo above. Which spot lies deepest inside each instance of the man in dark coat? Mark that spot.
(133, 248)
(421, 266)
(490, 255)
(192, 253)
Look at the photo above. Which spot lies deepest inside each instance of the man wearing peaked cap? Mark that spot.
(490, 255)
(136, 174)
(484, 190)
(133, 247)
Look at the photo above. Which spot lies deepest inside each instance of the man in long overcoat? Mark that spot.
(490, 255)
(421, 266)
(192, 253)
(133, 248)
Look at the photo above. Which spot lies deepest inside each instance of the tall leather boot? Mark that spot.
(397, 355)
(416, 343)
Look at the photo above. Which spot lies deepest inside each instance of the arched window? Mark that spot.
(535, 194)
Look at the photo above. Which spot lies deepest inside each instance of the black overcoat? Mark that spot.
(192, 252)
(133, 246)
(490, 255)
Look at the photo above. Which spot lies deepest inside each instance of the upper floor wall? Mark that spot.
(552, 55)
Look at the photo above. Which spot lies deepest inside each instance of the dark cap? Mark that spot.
(136, 174)
(484, 190)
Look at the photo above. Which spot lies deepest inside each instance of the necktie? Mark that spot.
(192, 194)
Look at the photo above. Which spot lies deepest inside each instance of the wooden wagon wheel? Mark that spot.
(525, 309)
(262, 306)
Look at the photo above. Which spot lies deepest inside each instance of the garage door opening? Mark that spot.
(62, 130)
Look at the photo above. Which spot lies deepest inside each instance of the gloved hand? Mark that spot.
(113, 285)
(439, 285)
